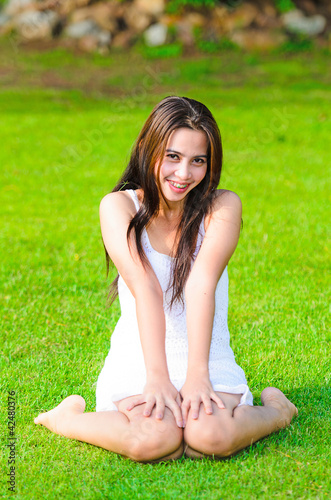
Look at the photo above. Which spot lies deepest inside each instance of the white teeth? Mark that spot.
(179, 186)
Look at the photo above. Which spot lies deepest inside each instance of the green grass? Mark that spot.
(67, 125)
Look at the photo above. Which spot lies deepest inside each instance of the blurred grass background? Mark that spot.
(68, 122)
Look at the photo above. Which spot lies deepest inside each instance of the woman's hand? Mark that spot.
(196, 390)
(159, 393)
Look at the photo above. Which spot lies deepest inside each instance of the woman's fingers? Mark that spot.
(150, 403)
(179, 399)
(207, 404)
(176, 410)
(207, 401)
(195, 407)
(135, 402)
(185, 406)
(159, 401)
(218, 401)
(160, 405)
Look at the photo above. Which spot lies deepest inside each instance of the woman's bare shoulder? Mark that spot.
(117, 203)
(226, 204)
(225, 197)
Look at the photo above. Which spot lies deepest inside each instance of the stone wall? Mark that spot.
(103, 25)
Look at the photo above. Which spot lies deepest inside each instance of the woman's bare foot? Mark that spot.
(55, 419)
(275, 398)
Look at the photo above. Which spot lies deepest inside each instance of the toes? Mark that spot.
(275, 397)
(41, 419)
(295, 412)
(38, 420)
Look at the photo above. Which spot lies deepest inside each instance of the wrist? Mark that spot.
(153, 374)
(197, 370)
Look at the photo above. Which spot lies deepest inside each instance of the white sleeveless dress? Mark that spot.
(124, 373)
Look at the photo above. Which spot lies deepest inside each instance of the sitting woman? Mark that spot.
(170, 383)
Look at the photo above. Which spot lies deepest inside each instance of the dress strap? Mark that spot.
(134, 198)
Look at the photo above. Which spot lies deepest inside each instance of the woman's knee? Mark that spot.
(210, 438)
(155, 440)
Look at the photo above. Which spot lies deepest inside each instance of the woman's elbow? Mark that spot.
(141, 289)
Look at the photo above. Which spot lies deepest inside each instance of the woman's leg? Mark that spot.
(228, 431)
(131, 434)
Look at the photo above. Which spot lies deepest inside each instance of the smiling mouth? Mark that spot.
(179, 186)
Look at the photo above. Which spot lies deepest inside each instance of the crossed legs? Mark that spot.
(228, 431)
(147, 439)
(131, 434)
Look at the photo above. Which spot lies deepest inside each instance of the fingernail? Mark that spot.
(158, 415)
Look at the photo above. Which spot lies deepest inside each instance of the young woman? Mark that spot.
(170, 383)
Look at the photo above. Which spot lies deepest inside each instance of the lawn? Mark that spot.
(67, 124)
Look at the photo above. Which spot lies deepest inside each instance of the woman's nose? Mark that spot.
(183, 171)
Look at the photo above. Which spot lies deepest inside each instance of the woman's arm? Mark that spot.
(116, 212)
(220, 241)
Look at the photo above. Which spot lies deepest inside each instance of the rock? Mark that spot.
(93, 43)
(135, 19)
(219, 13)
(124, 39)
(4, 19)
(156, 35)
(242, 17)
(82, 28)
(103, 13)
(139, 14)
(170, 19)
(104, 38)
(260, 40)
(296, 22)
(308, 7)
(268, 16)
(150, 7)
(6, 24)
(89, 35)
(184, 33)
(67, 6)
(195, 19)
(186, 26)
(88, 43)
(264, 21)
(269, 9)
(35, 25)
(96, 23)
(14, 7)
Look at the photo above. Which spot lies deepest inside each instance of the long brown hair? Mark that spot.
(168, 115)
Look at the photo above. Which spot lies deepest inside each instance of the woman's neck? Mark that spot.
(171, 212)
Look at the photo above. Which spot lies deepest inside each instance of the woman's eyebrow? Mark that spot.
(178, 153)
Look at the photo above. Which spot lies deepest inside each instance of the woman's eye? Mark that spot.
(199, 160)
(172, 156)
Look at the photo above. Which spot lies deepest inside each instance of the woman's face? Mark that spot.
(184, 164)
